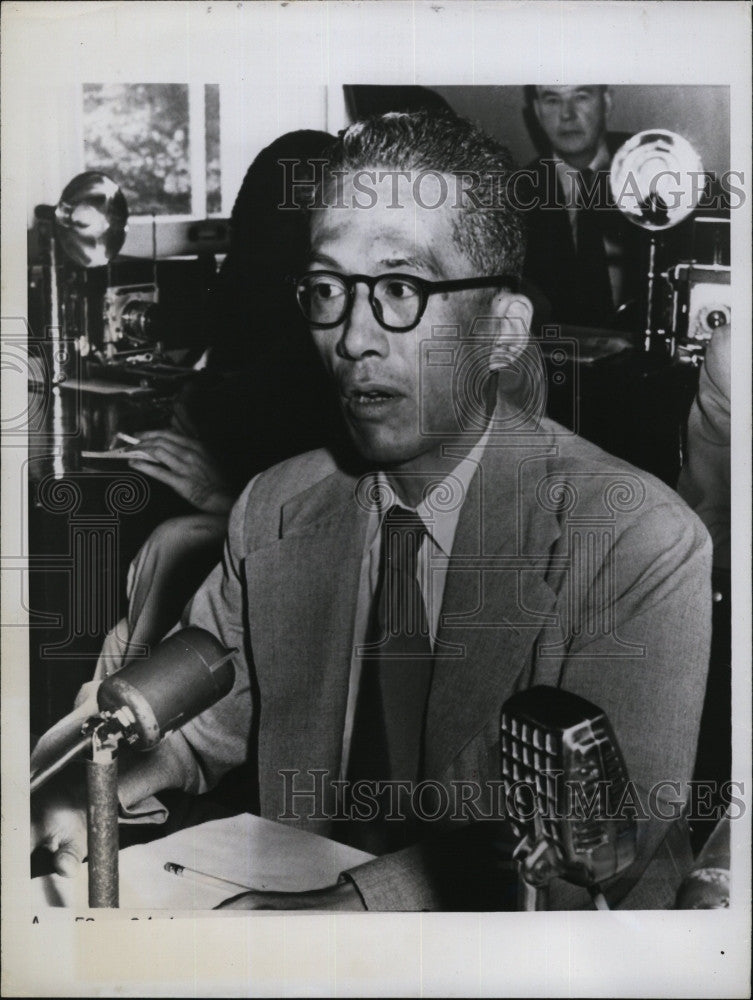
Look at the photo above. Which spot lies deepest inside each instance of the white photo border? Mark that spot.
(301, 48)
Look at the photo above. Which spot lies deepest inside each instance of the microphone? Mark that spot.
(186, 673)
(564, 775)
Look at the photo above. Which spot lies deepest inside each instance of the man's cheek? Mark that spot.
(326, 350)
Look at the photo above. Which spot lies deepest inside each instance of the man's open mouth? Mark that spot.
(371, 395)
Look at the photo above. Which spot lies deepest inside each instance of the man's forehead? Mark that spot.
(385, 242)
(403, 210)
(564, 91)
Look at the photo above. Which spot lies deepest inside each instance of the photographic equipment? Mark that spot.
(657, 181)
(701, 292)
(563, 769)
(131, 315)
(117, 318)
(91, 219)
(186, 674)
(125, 316)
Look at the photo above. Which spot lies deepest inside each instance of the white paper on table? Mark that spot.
(245, 849)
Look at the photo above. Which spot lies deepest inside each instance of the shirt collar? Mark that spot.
(441, 517)
(599, 162)
(566, 173)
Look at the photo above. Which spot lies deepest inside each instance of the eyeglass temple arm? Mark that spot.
(457, 284)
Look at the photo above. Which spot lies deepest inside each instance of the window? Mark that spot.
(159, 141)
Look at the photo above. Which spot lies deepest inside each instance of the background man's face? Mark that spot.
(574, 120)
(398, 407)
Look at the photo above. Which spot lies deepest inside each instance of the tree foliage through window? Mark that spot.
(139, 135)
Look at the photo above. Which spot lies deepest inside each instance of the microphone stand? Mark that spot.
(534, 871)
(102, 817)
(101, 735)
(531, 898)
(188, 673)
(537, 865)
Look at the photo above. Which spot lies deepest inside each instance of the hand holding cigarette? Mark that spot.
(184, 464)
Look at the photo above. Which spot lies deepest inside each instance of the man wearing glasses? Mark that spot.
(388, 602)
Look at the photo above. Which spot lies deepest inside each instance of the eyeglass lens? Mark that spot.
(325, 299)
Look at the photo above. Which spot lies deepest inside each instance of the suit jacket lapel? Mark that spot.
(496, 602)
(302, 594)
(302, 598)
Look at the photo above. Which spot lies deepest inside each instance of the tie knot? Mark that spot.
(593, 188)
(586, 184)
(399, 520)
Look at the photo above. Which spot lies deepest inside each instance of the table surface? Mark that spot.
(245, 849)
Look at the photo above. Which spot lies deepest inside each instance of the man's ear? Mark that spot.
(513, 313)
(536, 108)
(606, 96)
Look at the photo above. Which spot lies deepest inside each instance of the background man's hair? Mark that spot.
(488, 229)
(531, 90)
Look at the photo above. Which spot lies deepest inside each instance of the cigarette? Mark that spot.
(128, 438)
(218, 883)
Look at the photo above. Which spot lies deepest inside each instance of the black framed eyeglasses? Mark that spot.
(398, 301)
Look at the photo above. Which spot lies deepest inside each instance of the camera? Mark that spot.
(131, 317)
(115, 329)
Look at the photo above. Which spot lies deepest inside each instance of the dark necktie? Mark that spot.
(396, 672)
(595, 289)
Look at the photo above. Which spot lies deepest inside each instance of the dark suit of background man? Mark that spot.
(585, 261)
(386, 604)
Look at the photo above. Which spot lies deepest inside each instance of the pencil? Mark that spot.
(218, 883)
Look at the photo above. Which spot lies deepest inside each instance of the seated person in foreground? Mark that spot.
(385, 606)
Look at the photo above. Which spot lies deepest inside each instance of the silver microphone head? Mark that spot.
(563, 770)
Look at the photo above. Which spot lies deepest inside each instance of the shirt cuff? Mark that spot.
(396, 882)
(149, 810)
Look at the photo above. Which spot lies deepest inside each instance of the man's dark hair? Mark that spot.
(531, 91)
(488, 229)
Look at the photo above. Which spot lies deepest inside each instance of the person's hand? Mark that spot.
(58, 823)
(184, 464)
(181, 420)
(343, 896)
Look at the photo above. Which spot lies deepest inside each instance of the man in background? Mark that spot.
(583, 255)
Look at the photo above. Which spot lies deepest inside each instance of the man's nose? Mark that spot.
(567, 108)
(362, 335)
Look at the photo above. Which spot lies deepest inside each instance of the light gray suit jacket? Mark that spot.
(569, 568)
